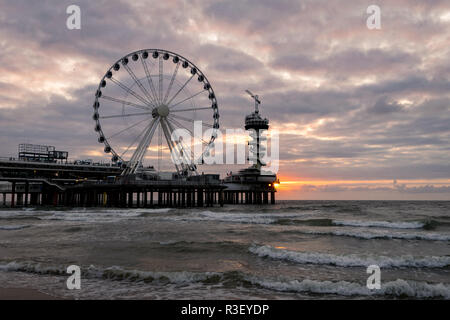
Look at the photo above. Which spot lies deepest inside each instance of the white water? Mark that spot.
(351, 260)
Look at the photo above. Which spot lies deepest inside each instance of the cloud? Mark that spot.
(382, 106)
(349, 102)
(402, 188)
(422, 189)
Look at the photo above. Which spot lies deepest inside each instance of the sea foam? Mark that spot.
(380, 224)
(397, 288)
(351, 260)
(372, 234)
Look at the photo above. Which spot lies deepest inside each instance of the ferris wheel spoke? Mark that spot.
(171, 81)
(125, 115)
(149, 79)
(182, 87)
(191, 120)
(191, 109)
(138, 82)
(160, 78)
(135, 140)
(142, 148)
(184, 127)
(193, 96)
(129, 90)
(128, 128)
(124, 102)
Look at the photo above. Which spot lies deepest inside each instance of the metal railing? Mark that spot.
(69, 162)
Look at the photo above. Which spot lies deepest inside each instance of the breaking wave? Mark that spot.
(351, 260)
(365, 234)
(397, 288)
(380, 224)
(324, 222)
(297, 218)
(117, 273)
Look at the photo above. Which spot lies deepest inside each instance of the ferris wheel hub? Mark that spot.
(161, 111)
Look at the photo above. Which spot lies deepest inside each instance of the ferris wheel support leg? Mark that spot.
(169, 140)
(141, 149)
(187, 164)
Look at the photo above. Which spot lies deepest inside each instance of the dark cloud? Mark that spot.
(382, 106)
(354, 62)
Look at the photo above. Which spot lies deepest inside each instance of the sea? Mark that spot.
(290, 250)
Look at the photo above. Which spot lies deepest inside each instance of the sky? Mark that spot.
(362, 114)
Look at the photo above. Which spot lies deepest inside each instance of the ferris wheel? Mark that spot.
(142, 99)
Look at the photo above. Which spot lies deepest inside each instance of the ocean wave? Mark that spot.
(21, 214)
(321, 222)
(432, 224)
(351, 260)
(14, 227)
(245, 218)
(73, 229)
(397, 288)
(151, 212)
(170, 242)
(77, 214)
(177, 277)
(366, 234)
(108, 215)
(324, 222)
(188, 246)
(235, 217)
(380, 224)
(12, 218)
(116, 273)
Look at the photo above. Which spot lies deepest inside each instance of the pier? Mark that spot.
(41, 175)
(40, 189)
(85, 193)
(24, 183)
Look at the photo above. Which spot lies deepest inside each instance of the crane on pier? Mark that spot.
(256, 98)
